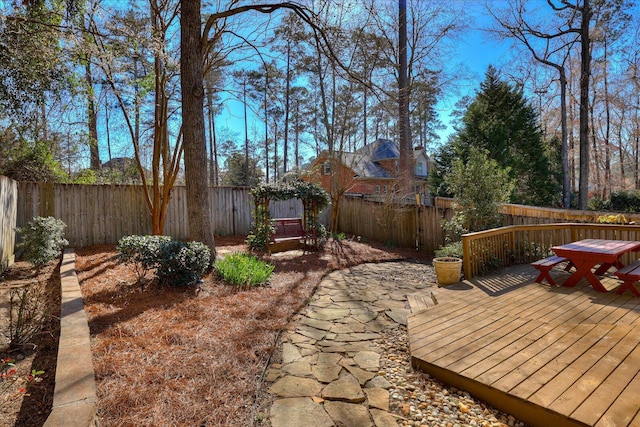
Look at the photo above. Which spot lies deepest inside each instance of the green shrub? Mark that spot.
(182, 264)
(454, 228)
(42, 240)
(450, 250)
(241, 269)
(257, 237)
(141, 252)
(338, 236)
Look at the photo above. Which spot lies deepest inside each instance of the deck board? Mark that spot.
(549, 355)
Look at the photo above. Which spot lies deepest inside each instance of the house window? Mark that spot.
(377, 189)
(384, 189)
(326, 168)
(419, 168)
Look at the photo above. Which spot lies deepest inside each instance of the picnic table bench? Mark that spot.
(288, 234)
(545, 265)
(629, 275)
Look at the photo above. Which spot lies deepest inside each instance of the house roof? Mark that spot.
(363, 166)
(364, 162)
(380, 149)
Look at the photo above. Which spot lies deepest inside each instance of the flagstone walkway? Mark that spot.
(330, 371)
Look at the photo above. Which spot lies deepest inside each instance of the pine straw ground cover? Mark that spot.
(24, 402)
(170, 357)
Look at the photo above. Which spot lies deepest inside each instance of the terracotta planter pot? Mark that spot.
(448, 270)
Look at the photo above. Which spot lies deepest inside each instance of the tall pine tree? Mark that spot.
(501, 121)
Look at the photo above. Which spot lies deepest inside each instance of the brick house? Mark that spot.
(370, 170)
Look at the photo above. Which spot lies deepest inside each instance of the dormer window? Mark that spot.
(326, 168)
(420, 168)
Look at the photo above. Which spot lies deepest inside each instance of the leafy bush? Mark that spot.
(28, 310)
(597, 203)
(257, 237)
(623, 201)
(612, 219)
(451, 250)
(42, 240)
(454, 228)
(141, 252)
(338, 236)
(479, 186)
(241, 269)
(182, 264)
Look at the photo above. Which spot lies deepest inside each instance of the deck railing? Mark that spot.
(488, 250)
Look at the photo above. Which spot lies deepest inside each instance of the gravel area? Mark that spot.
(346, 362)
(422, 400)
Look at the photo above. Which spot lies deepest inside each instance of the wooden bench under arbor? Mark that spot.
(288, 234)
(283, 234)
(629, 275)
(545, 265)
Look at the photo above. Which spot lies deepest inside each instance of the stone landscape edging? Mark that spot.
(74, 397)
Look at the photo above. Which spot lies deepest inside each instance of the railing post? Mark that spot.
(512, 243)
(466, 257)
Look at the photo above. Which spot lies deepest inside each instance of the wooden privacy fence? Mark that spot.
(520, 244)
(8, 200)
(523, 215)
(102, 214)
(401, 225)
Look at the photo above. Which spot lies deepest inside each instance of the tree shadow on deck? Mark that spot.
(515, 277)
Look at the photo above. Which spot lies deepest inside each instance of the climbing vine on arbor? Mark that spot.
(314, 199)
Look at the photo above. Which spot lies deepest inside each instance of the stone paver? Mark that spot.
(348, 414)
(330, 362)
(378, 398)
(290, 386)
(296, 412)
(345, 389)
(368, 360)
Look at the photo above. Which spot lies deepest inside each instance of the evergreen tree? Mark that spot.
(501, 121)
(237, 174)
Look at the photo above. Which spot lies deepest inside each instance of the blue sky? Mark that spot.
(474, 52)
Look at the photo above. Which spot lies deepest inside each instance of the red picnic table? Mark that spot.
(586, 254)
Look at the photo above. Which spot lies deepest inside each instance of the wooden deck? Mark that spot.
(549, 356)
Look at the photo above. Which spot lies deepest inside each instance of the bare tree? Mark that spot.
(553, 52)
(122, 72)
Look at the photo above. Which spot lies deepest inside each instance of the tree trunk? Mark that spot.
(92, 115)
(213, 149)
(297, 133)
(266, 125)
(106, 128)
(195, 152)
(287, 96)
(621, 151)
(405, 169)
(246, 133)
(585, 71)
(566, 175)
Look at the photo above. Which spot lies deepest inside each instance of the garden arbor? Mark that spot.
(273, 239)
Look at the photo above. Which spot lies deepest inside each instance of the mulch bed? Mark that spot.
(30, 408)
(167, 356)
